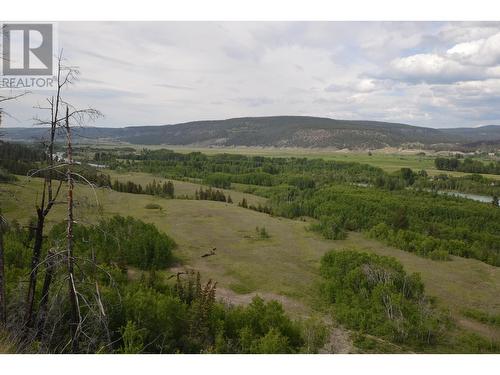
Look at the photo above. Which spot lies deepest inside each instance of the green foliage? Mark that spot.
(407, 175)
(261, 327)
(262, 233)
(210, 195)
(373, 294)
(223, 169)
(6, 176)
(122, 240)
(153, 206)
(315, 334)
(483, 317)
(468, 165)
(165, 190)
(330, 227)
(132, 338)
(187, 319)
(243, 203)
(18, 158)
(468, 342)
(414, 221)
(149, 314)
(474, 184)
(219, 180)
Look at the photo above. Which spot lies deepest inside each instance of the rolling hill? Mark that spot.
(284, 131)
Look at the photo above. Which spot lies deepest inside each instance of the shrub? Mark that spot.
(122, 240)
(374, 294)
(153, 206)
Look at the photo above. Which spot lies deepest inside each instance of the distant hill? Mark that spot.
(283, 131)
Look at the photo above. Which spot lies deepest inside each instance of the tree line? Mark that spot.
(467, 165)
(165, 189)
(210, 194)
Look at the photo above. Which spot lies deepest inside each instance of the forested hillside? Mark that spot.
(285, 131)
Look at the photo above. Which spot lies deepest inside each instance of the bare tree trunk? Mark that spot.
(74, 319)
(35, 260)
(49, 274)
(3, 302)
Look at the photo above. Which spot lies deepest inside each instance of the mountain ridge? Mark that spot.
(283, 131)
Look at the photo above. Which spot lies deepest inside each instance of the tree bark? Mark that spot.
(35, 260)
(49, 274)
(73, 300)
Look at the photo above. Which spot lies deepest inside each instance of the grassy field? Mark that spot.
(183, 188)
(284, 266)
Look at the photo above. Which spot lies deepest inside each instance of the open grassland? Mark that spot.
(283, 266)
(183, 188)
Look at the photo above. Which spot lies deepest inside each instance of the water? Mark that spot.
(474, 197)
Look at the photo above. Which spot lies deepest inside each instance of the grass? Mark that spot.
(284, 265)
(483, 317)
(182, 188)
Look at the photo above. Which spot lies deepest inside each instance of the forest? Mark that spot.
(467, 165)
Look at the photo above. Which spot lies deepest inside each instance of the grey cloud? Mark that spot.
(168, 72)
(167, 86)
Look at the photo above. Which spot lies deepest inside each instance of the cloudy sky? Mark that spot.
(429, 74)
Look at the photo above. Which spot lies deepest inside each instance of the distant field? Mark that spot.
(283, 266)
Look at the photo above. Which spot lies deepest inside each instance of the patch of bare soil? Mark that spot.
(339, 341)
(229, 296)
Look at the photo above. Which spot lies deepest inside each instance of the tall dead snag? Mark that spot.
(44, 299)
(73, 298)
(48, 196)
(66, 75)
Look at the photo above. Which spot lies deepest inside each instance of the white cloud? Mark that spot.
(140, 73)
(427, 66)
(482, 52)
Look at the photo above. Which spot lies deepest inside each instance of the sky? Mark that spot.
(436, 74)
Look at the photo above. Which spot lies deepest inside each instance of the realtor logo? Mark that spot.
(28, 49)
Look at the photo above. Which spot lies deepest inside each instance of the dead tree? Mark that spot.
(73, 298)
(48, 196)
(66, 75)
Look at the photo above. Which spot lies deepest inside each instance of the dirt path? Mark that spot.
(339, 341)
(492, 333)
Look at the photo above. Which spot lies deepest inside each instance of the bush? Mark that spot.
(262, 233)
(330, 228)
(219, 180)
(374, 294)
(122, 240)
(439, 255)
(153, 206)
